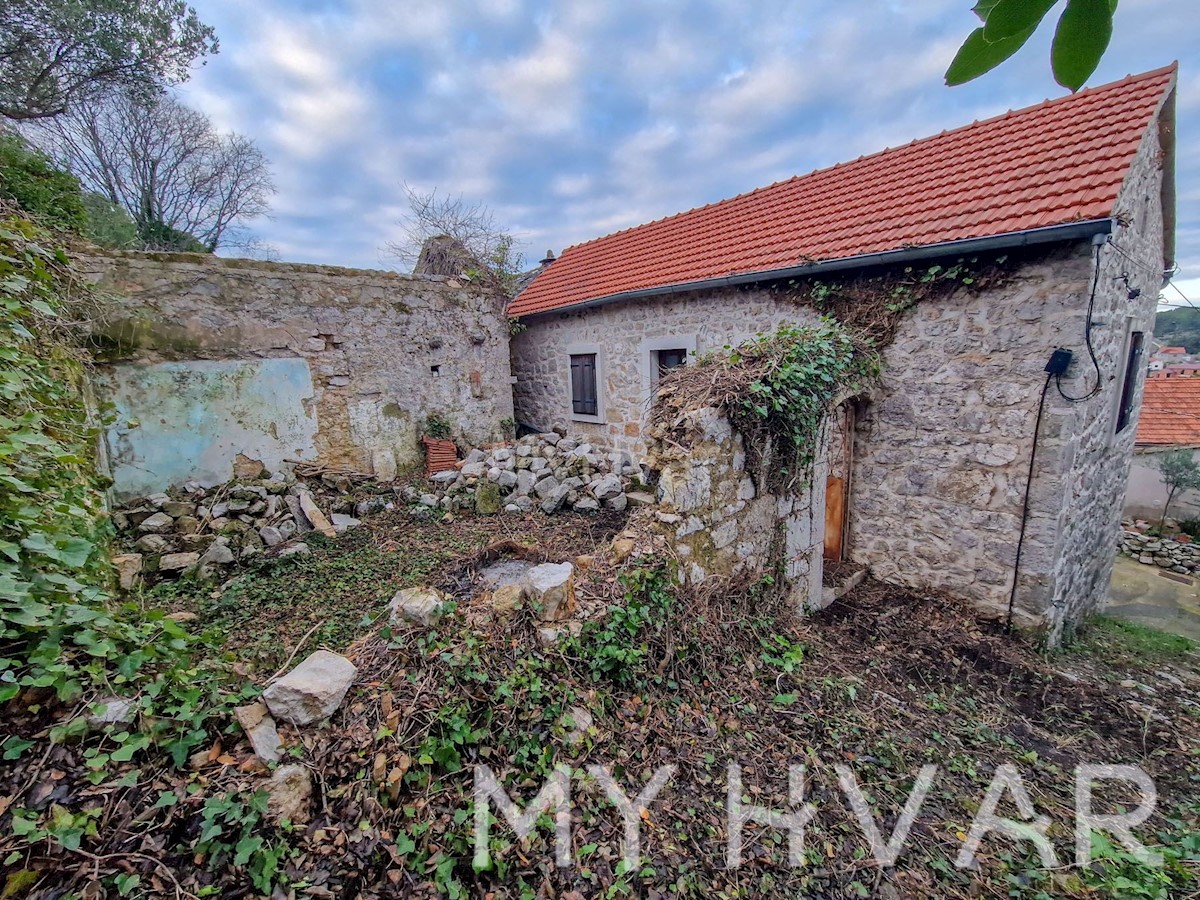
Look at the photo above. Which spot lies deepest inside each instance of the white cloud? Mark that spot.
(539, 89)
(572, 120)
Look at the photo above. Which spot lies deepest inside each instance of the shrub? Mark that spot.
(44, 191)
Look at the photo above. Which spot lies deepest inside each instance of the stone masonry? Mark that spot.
(723, 522)
(207, 358)
(942, 449)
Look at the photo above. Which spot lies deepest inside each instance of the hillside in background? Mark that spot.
(1178, 328)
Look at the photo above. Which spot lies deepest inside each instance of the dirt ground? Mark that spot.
(882, 683)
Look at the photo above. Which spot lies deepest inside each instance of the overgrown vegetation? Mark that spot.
(777, 389)
(437, 426)
(64, 642)
(450, 235)
(30, 180)
(872, 305)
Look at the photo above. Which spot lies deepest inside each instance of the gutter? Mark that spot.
(1030, 237)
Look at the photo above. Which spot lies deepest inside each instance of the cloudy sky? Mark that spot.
(572, 119)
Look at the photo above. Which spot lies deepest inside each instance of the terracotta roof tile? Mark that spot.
(1061, 161)
(1170, 413)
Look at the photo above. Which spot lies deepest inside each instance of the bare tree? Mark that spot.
(438, 222)
(164, 164)
(54, 52)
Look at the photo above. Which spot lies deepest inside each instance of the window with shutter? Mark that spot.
(583, 384)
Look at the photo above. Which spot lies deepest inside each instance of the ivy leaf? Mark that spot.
(1012, 17)
(978, 56)
(1082, 37)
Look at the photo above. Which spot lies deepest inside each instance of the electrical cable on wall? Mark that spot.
(1058, 363)
(1087, 340)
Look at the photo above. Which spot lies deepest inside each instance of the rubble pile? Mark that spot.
(201, 530)
(204, 530)
(550, 472)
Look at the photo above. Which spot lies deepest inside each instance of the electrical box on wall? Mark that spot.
(1060, 359)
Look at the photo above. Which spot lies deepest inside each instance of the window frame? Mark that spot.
(1135, 349)
(595, 351)
(649, 358)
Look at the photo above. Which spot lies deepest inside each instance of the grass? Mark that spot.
(340, 588)
(1126, 643)
(339, 591)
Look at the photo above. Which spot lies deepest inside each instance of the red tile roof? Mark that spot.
(1061, 161)
(1170, 414)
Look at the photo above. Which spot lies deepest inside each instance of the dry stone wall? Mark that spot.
(206, 359)
(722, 521)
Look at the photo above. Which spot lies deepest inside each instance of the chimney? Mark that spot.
(548, 259)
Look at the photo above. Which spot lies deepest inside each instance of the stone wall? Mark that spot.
(1096, 457)
(942, 450)
(625, 338)
(207, 358)
(723, 521)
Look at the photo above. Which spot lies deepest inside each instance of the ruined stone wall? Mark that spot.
(205, 358)
(723, 521)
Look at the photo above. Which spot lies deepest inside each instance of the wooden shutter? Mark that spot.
(583, 384)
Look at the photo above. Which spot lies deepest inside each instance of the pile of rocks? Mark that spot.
(203, 530)
(548, 588)
(1179, 556)
(550, 471)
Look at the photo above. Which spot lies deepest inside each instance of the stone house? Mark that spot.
(1074, 198)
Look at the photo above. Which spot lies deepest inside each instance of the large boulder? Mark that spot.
(419, 606)
(551, 587)
(313, 690)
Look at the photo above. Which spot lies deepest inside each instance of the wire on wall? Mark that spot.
(1087, 340)
(1037, 428)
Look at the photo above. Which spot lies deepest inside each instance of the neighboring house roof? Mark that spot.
(1059, 162)
(1170, 415)
(1173, 350)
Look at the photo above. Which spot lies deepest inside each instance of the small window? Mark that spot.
(670, 359)
(583, 384)
(1133, 365)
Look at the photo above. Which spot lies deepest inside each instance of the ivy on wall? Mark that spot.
(777, 390)
(64, 640)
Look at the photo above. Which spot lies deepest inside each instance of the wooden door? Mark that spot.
(837, 484)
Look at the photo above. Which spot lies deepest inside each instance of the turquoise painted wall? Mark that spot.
(185, 421)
